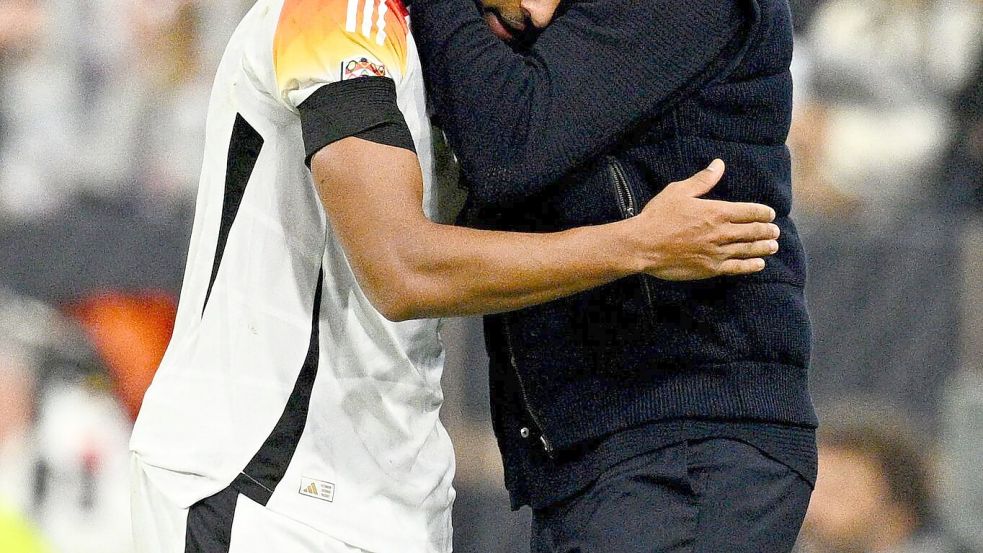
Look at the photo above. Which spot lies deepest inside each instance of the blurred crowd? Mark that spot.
(102, 108)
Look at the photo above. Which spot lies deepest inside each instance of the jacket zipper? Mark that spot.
(626, 200)
(628, 206)
(547, 445)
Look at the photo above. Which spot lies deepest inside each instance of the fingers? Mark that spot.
(746, 258)
(740, 212)
(749, 232)
(733, 267)
(704, 181)
(750, 250)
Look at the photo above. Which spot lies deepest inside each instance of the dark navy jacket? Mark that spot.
(616, 99)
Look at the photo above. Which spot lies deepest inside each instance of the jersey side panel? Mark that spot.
(232, 363)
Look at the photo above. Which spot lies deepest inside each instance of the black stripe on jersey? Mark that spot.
(244, 149)
(364, 107)
(209, 527)
(267, 468)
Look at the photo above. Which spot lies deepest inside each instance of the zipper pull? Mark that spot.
(547, 446)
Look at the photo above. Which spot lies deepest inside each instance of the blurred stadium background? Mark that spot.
(101, 126)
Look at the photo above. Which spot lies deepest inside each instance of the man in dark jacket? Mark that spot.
(646, 415)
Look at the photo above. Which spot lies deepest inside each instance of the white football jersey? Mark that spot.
(281, 379)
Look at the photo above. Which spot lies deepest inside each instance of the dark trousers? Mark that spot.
(708, 496)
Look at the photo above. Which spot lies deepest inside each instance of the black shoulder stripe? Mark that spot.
(364, 107)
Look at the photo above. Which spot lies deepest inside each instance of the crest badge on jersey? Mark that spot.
(362, 67)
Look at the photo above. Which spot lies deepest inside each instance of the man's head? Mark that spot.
(509, 19)
(873, 491)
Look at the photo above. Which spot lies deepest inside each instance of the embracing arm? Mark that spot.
(518, 122)
(410, 267)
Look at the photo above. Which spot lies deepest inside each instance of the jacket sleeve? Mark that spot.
(519, 122)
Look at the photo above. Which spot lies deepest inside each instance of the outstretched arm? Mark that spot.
(519, 122)
(410, 267)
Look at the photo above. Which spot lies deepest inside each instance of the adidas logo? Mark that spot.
(318, 489)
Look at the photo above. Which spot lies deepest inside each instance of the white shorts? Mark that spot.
(227, 522)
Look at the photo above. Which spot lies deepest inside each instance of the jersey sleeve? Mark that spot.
(337, 63)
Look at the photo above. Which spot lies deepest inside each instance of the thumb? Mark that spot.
(704, 181)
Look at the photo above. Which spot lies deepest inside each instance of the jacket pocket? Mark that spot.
(629, 207)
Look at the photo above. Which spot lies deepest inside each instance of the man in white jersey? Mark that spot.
(291, 413)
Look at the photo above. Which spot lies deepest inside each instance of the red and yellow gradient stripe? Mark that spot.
(314, 38)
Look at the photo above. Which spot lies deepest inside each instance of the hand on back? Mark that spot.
(683, 237)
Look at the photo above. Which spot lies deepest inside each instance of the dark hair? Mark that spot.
(898, 454)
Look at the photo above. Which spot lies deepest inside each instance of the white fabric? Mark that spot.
(373, 429)
(163, 525)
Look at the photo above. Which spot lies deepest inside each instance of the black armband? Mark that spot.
(364, 108)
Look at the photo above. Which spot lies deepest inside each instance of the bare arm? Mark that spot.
(410, 267)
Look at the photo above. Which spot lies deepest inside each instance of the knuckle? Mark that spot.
(741, 233)
(708, 223)
(718, 215)
(719, 235)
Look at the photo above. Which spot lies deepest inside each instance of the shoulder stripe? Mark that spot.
(351, 23)
(381, 24)
(367, 18)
